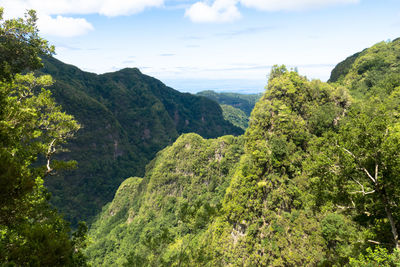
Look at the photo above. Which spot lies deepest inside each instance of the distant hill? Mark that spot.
(244, 102)
(127, 117)
(236, 116)
(236, 107)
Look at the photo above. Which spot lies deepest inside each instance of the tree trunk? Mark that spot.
(391, 219)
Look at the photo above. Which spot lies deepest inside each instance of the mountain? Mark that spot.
(313, 181)
(236, 108)
(382, 57)
(341, 69)
(160, 213)
(373, 72)
(244, 102)
(236, 116)
(126, 118)
(264, 181)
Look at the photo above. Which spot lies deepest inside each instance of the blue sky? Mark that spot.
(223, 45)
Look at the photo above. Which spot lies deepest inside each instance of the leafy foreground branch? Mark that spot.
(33, 128)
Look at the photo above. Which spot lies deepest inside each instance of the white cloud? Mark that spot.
(276, 5)
(126, 7)
(66, 26)
(61, 7)
(227, 10)
(219, 11)
(63, 26)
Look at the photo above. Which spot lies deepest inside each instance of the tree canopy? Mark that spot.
(33, 128)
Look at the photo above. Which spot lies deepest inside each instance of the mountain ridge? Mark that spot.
(126, 118)
(294, 189)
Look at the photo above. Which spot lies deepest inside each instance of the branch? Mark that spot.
(369, 175)
(50, 151)
(364, 169)
(363, 192)
(344, 207)
(348, 152)
(362, 189)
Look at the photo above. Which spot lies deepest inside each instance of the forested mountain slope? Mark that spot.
(126, 118)
(236, 116)
(244, 102)
(157, 219)
(316, 184)
(236, 108)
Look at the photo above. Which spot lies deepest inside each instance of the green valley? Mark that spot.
(305, 174)
(316, 183)
(236, 108)
(126, 118)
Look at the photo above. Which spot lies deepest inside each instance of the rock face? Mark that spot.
(127, 117)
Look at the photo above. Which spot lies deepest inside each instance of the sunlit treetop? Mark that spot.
(20, 45)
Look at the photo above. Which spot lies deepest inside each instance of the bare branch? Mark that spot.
(344, 207)
(352, 202)
(363, 169)
(363, 192)
(369, 175)
(348, 152)
(362, 189)
(50, 151)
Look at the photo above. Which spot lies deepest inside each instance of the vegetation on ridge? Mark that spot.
(316, 184)
(157, 220)
(126, 118)
(236, 108)
(313, 181)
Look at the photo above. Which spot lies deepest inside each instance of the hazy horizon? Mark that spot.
(193, 45)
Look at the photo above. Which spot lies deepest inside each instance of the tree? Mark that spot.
(267, 217)
(20, 45)
(358, 167)
(33, 129)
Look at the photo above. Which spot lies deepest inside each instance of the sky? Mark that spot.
(221, 45)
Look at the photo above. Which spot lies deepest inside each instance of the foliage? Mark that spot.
(316, 184)
(339, 72)
(356, 168)
(376, 257)
(244, 102)
(157, 220)
(375, 72)
(236, 116)
(266, 218)
(126, 118)
(33, 129)
(20, 45)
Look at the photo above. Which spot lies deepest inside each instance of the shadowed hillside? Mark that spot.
(126, 118)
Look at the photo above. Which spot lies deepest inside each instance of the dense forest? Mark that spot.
(236, 108)
(244, 102)
(126, 118)
(313, 181)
